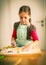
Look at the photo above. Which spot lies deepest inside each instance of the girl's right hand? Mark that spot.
(13, 45)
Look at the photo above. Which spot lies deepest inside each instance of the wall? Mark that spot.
(4, 24)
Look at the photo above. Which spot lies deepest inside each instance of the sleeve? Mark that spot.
(14, 33)
(34, 35)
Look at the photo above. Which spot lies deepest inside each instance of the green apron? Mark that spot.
(22, 35)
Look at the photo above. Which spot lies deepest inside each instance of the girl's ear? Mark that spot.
(30, 20)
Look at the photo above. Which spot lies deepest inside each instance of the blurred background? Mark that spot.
(9, 15)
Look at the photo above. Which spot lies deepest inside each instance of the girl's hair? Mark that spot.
(25, 8)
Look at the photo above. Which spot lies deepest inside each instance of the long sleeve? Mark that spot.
(34, 35)
(14, 34)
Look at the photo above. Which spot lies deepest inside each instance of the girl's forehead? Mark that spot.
(24, 14)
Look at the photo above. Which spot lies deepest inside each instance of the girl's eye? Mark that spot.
(25, 17)
(21, 17)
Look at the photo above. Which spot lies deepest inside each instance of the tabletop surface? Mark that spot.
(24, 59)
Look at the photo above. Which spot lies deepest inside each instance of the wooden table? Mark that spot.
(22, 59)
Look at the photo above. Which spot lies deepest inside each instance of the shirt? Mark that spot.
(31, 32)
(21, 36)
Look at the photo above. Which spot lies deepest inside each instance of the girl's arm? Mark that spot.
(35, 43)
(13, 43)
(34, 35)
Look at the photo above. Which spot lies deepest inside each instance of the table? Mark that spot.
(22, 59)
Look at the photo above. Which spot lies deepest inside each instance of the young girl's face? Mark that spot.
(24, 18)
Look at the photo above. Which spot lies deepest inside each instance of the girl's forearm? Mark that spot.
(13, 42)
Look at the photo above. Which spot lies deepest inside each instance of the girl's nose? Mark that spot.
(23, 19)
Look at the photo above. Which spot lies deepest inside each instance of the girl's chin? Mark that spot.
(23, 23)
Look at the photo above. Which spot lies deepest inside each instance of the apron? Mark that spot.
(22, 35)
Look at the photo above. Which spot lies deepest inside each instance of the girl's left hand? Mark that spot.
(35, 45)
(26, 47)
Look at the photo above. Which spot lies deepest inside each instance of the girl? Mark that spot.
(24, 32)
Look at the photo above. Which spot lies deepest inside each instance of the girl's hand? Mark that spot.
(13, 44)
(26, 47)
(35, 45)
